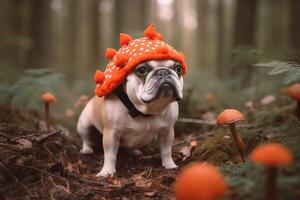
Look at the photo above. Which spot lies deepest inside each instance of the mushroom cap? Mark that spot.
(229, 116)
(47, 97)
(272, 154)
(294, 91)
(200, 181)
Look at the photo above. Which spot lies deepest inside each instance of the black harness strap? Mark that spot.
(133, 112)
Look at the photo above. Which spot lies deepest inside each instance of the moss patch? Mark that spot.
(216, 149)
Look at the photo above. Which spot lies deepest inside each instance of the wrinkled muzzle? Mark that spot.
(162, 84)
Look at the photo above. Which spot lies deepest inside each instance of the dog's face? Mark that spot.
(154, 84)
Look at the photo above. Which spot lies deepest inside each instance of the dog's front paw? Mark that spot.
(105, 172)
(86, 150)
(170, 165)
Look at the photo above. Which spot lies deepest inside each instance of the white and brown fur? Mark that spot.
(110, 117)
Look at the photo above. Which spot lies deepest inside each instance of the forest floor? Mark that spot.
(47, 165)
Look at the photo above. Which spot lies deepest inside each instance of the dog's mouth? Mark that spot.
(163, 89)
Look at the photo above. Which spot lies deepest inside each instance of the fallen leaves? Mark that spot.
(59, 192)
(187, 150)
(268, 99)
(141, 182)
(23, 144)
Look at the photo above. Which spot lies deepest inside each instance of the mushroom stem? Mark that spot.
(47, 116)
(298, 110)
(271, 189)
(238, 140)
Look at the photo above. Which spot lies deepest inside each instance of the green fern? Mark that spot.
(290, 69)
(26, 91)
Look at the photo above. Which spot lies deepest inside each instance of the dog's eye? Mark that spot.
(177, 68)
(141, 71)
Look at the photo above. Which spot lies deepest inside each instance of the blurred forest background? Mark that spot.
(221, 39)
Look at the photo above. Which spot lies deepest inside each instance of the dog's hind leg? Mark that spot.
(83, 129)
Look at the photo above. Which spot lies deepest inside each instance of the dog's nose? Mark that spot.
(162, 72)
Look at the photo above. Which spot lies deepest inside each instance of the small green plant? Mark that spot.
(25, 92)
(291, 70)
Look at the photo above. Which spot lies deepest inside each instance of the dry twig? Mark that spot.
(45, 137)
(197, 121)
(5, 136)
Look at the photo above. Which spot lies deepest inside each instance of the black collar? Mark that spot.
(133, 112)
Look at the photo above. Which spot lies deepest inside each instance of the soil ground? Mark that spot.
(35, 164)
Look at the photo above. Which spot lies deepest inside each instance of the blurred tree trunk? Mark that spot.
(107, 10)
(273, 24)
(130, 15)
(85, 36)
(61, 35)
(23, 32)
(210, 40)
(188, 23)
(200, 33)
(39, 54)
(15, 19)
(96, 33)
(244, 35)
(245, 23)
(227, 11)
(163, 15)
(295, 26)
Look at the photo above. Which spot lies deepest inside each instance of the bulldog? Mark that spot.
(144, 106)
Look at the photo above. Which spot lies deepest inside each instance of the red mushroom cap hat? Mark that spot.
(131, 53)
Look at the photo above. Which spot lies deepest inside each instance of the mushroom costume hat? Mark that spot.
(131, 53)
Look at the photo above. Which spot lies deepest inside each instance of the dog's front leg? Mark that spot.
(110, 147)
(166, 141)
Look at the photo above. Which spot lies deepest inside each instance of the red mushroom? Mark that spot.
(293, 91)
(200, 181)
(48, 98)
(230, 117)
(272, 155)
